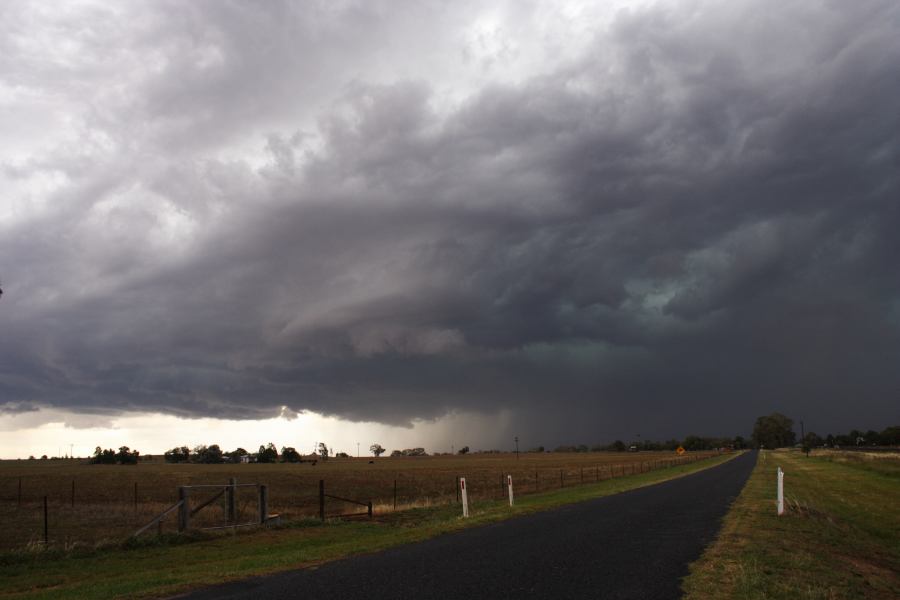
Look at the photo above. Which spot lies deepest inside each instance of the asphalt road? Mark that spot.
(637, 544)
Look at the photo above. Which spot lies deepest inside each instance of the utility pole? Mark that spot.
(517, 447)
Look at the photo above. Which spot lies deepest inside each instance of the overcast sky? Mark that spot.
(567, 221)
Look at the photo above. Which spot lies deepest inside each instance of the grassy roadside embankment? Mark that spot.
(159, 570)
(839, 538)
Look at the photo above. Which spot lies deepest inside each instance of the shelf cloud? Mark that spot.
(633, 217)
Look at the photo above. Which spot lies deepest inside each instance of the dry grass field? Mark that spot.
(111, 502)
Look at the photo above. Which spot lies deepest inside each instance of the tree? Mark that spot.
(463, 450)
(323, 451)
(376, 449)
(126, 456)
(396, 453)
(890, 436)
(342, 455)
(289, 455)
(618, 446)
(177, 455)
(235, 455)
(102, 457)
(209, 455)
(267, 454)
(774, 431)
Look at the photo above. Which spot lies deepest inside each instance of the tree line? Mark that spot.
(777, 431)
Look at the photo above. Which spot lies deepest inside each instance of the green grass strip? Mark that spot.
(839, 538)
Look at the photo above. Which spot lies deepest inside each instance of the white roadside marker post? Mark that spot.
(509, 485)
(464, 496)
(780, 492)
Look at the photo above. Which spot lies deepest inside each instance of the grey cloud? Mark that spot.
(687, 225)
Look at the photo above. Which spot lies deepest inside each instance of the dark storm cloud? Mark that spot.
(689, 223)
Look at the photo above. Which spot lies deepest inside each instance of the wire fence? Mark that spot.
(87, 508)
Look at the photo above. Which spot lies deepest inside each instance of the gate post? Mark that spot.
(263, 504)
(184, 511)
(232, 513)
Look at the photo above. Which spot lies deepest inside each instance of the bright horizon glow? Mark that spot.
(57, 433)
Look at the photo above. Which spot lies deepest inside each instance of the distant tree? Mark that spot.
(618, 446)
(829, 440)
(376, 449)
(342, 455)
(127, 456)
(396, 453)
(323, 451)
(267, 454)
(774, 431)
(536, 449)
(177, 455)
(414, 452)
(890, 436)
(43, 457)
(463, 450)
(739, 442)
(103, 457)
(290, 455)
(209, 455)
(235, 455)
(31, 457)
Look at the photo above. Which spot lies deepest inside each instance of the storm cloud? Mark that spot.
(658, 217)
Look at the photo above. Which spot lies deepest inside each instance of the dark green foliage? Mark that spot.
(774, 431)
(289, 455)
(181, 454)
(267, 454)
(125, 456)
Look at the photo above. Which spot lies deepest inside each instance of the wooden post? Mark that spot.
(263, 504)
(370, 509)
(322, 499)
(229, 500)
(73, 493)
(184, 511)
(395, 495)
(45, 521)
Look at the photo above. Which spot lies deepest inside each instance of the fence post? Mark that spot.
(509, 485)
(322, 499)
(464, 496)
(45, 521)
(370, 509)
(395, 495)
(230, 503)
(184, 511)
(780, 492)
(263, 504)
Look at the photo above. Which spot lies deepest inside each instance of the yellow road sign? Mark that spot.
(680, 450)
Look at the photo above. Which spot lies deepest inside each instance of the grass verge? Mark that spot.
(155, 569)
(839, 538)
